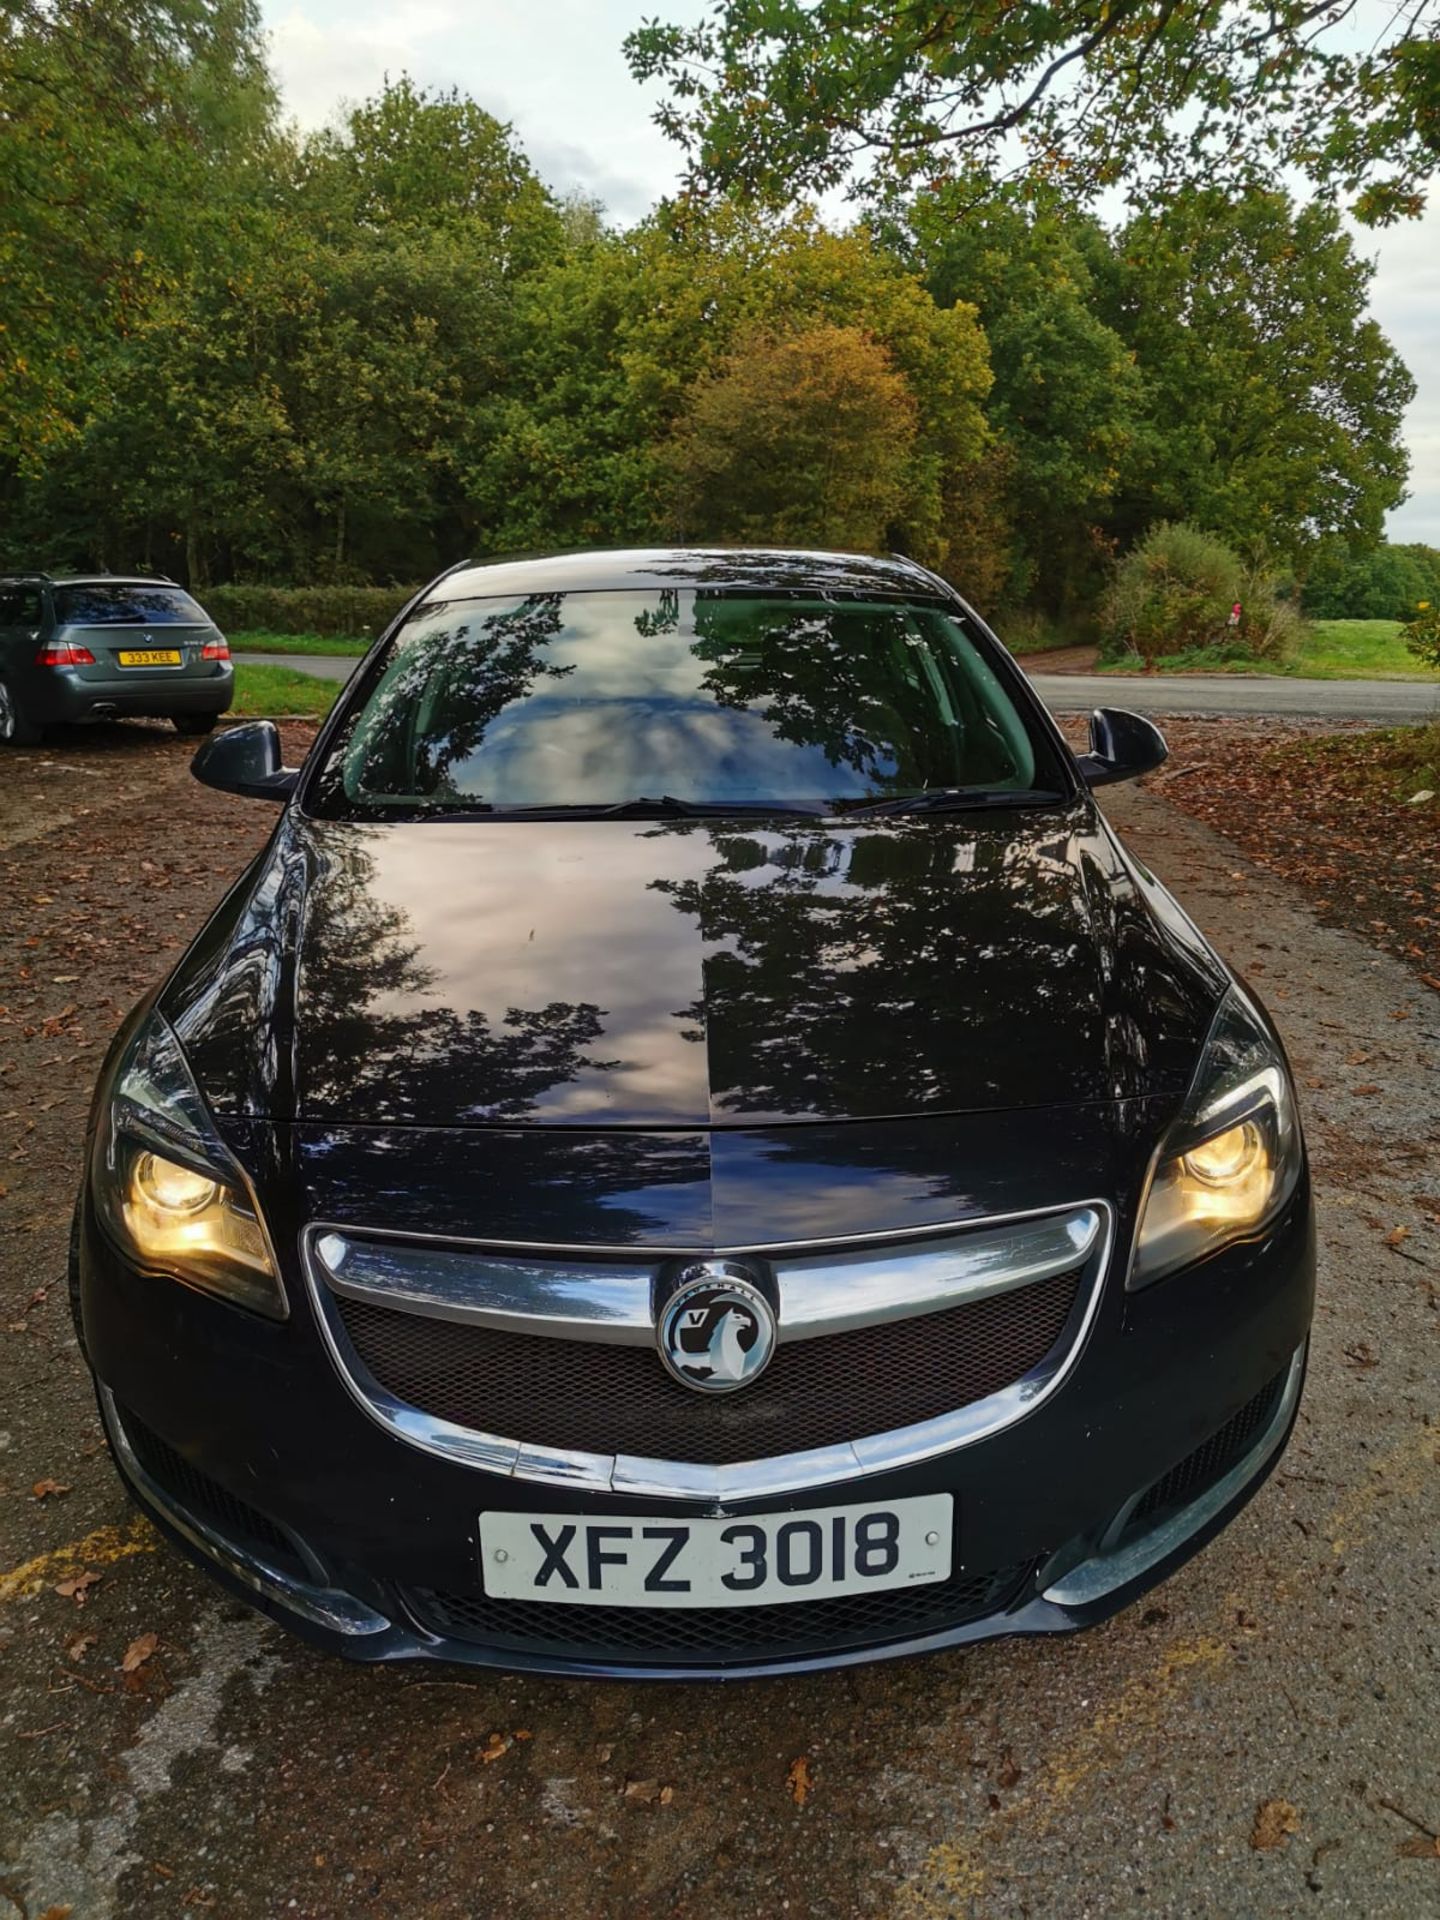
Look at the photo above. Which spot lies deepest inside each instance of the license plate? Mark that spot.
(659, 1561)
(150, 657)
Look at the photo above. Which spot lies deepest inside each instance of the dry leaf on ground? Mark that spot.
(496, 1747)
(79, 1644)
(139, 1651)
(799, 1781)
(1275, 1821)
(78, 1586)
(49, 1489)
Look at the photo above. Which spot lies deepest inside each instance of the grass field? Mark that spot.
(1329, 650)
(271, 691)
(298, 643)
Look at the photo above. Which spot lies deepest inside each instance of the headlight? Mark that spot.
(167, 1188)
(1232, 1159)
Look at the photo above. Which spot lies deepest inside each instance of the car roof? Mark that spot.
(86, 580)
(774, 569)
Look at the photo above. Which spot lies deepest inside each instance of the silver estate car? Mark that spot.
(100, 646)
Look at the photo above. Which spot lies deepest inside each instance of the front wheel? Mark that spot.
(16, 730)
(194, 723)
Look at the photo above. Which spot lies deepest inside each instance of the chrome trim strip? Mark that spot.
(690, 1480)
(833, 1293)
(605, 1302)
(701, 1250)
(822, 1293)
(326, 1606)
(1093, 1579)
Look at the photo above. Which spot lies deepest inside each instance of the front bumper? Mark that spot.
(239, 1437)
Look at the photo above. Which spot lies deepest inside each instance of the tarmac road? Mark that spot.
(1388, 701)
(1279, 1689)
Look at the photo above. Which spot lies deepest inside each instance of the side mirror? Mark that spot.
(246, 760)
(1122, 747)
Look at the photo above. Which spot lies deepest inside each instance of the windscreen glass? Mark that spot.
(126, 607)
(595, 699)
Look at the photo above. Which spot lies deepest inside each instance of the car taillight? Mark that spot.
(215, 650)
(63, 653)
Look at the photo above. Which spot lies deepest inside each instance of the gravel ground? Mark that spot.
(1258, 1738)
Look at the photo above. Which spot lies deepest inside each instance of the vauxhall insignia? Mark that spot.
(717, 1330)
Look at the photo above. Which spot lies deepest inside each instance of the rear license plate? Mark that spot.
(658, 1561)
(150, 657)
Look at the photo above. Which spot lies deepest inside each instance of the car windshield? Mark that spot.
(680, 698)
(130, 606)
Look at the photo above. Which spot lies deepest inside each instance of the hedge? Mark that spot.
(354, 612)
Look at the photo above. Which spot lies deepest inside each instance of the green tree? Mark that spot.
(793, 97)
(117, 118)
(1274, 404)
(1067, 402)
(798, 441)
(615, 336)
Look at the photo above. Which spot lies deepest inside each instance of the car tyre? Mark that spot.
(16, 728)
(194, 723)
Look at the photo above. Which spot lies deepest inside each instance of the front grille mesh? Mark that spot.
(713, 1636)
(591, 1397)
(197, 1494)
(1213, 1458)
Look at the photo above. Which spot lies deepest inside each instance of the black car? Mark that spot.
(694, 1149)
(101, 647)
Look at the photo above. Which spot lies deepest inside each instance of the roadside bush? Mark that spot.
(1422, 635)
(1172, 594)
(358, 612)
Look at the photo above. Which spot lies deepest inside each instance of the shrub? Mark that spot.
(1422, 635)
(1173, 594)
(357, 612)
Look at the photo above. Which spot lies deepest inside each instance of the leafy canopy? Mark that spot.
(793, 97)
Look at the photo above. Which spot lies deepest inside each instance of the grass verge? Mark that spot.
(1329, 650)
(298, 643)
(265, 691)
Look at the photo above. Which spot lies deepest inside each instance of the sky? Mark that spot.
(554, 70)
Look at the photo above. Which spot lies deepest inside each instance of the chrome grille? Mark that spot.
(608, 1399)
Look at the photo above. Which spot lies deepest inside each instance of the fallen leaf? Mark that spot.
(79, 1644)
(1275, 1821)
(77, 1586)
(496, 1747)
(49, 1489)
(647, 1792)
(523, 1733)
(667, 1794)
(1419, 1847)
(1397, 1234)
(798, 1780)
(1367, 1089)
(139, 1651)
(1009, 1772)
(56, 1913)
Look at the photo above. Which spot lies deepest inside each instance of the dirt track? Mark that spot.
(1280, 1689)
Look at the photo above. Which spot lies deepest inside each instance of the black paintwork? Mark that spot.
(690, 974)
(691, 1034)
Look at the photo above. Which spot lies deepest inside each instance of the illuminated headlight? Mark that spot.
(168, 1190)
(1232, 1159)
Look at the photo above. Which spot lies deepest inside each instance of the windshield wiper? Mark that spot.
(660, 807)
(954, 800)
